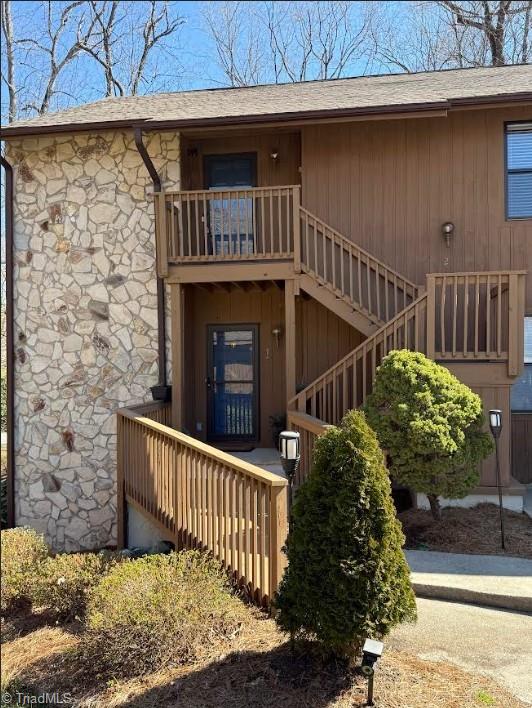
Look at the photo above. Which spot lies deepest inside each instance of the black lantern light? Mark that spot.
(290, 457)
(495, 417)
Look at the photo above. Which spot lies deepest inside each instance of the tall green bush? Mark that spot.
(430, 424)
(347, 577)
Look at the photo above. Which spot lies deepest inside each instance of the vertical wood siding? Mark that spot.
(390, 185)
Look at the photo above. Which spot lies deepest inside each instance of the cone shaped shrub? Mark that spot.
(347, 577)
(430, 424)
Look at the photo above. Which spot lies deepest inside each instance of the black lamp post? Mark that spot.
(290, 457)
(496, 429)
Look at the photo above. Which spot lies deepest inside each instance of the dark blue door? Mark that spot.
(232, 382)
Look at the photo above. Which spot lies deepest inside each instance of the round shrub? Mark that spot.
(158, 610)
(347, 577)
(430, 424)
(23, 552)
(65, 580)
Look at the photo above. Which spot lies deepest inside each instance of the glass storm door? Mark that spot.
(230, 220)
(232, 382)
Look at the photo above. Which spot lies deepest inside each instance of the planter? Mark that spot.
(161, 393)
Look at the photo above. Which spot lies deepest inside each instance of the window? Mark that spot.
(519, 171)
(521, 399)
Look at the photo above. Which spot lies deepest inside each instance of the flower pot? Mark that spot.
(161, 393)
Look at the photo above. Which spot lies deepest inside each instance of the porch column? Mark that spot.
(177, 299)
(290, 337)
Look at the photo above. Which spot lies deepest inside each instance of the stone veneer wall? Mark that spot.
(85, 321)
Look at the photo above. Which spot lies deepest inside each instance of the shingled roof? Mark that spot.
(354, 96)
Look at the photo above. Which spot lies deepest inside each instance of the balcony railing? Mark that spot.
(223, 225)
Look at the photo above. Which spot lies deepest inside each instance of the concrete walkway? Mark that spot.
(265, 457)
(481, 640)
(494, 581)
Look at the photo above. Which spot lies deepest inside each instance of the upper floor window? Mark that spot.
(519, 171)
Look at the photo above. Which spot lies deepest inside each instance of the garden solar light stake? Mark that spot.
(290, 457)
(371, 653)
(496, 429)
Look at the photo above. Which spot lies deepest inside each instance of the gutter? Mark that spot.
(161, 307)
(9, 192)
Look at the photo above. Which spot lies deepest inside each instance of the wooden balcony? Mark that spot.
(220, 226)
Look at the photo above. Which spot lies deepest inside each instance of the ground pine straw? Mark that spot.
(256, 670)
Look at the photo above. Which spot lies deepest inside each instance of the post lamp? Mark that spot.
(495, 417)
(371, 653)
(290, 457)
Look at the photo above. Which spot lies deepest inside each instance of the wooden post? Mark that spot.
(177, 299)
(516, 313)
(431, 316)
(120, 491)
(161, 234)
(290, 338)
(297, 228)
(278, 534)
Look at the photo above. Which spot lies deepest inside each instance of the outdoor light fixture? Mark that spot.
(274, 154)
(371, 653)
(447, 230)
(277, 334)
(290, 457)
(495, 417)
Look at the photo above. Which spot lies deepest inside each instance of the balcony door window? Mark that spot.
(231, 217)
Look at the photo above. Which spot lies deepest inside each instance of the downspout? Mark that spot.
(161, 308)
(8, 206)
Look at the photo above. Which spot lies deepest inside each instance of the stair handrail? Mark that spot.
(300, 397)
(349, 244)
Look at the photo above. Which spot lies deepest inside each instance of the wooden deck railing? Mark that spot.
(352, 273)
(460, 317)
(309, 429)
(200, 497)
(477, 316)
(226, 224)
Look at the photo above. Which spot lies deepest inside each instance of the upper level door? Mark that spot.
(231, 217)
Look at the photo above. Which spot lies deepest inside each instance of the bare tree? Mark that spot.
(286, 41)
(493, 21)
(9, 48)
(441, 34)
(51, 53)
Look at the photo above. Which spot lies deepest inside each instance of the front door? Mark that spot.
(230, 220)
(232, 382)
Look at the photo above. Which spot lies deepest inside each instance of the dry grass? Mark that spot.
(258, 671)
(474, 530)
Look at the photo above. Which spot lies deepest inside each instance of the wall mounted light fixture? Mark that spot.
(277, 334)
(274, 154)
(447, 230)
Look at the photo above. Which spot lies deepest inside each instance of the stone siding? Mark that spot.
(85, 321)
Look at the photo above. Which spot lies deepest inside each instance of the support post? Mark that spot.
(297, 229)
(290, 338)
(431, 316)
(278, 534)
(516, 313)
(177, 299)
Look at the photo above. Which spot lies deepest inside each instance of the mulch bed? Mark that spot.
(475, 530)
(259, 671)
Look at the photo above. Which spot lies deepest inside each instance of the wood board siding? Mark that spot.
(390, 185)
(284, 170)
(321, 339)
